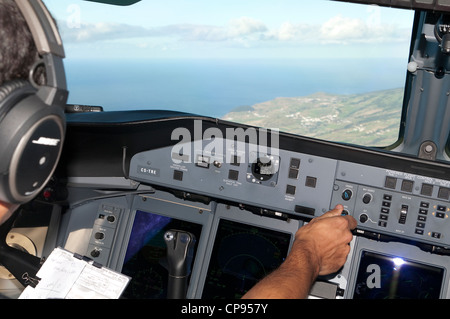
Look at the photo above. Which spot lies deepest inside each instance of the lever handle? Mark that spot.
(180, 251)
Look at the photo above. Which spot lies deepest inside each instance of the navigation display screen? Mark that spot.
(145, 258)
(389, 277)
(242, 255)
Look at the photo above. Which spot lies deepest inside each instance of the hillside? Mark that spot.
(371, 119)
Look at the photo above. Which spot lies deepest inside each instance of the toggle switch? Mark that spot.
(403, 214)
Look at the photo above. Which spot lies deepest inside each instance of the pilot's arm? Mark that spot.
(320, 248)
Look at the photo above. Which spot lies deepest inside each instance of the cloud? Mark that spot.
(245, 26)
(244, 30)
(338, 30)
(345, 30)
(293, 32)
(237, 28)
(94, 32)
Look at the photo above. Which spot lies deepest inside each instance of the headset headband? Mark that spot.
(49, 45)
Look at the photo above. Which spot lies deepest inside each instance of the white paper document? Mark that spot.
(65, 276)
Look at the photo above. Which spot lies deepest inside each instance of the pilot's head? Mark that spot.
(18, 57)
(18, 52)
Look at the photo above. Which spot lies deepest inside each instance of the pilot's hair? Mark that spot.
(18, 52)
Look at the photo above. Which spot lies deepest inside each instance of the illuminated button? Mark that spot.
(440, 215)
(347, 194)
(48, 192)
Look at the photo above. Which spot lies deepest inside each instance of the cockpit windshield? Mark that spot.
(324, 69)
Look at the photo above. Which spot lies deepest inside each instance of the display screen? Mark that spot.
(145, 257)
(242, 255)
(389, 277)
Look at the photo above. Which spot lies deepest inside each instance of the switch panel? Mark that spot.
(394, 203)
(103, 233)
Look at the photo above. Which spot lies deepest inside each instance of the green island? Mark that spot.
(370, 119)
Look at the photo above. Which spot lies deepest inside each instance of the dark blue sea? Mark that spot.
(214, 87)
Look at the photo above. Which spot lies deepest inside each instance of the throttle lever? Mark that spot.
(180, 253)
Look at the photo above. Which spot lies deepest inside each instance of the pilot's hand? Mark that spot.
(326, 238)
(320, 248)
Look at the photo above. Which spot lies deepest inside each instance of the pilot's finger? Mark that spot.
(352, 223)
(337, 211)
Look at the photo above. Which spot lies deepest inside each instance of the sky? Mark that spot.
(231, 29)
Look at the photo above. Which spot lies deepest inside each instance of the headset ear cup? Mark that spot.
(31, 134)
(8, 93)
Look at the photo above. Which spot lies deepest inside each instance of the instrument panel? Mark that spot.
(242, 203)
(385, 201)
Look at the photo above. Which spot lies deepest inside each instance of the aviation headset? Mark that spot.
(32, 122)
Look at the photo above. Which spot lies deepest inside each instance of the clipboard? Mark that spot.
(65, 275)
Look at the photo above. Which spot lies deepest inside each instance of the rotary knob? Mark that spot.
(95, 253)
(363, 218)
(367, 198)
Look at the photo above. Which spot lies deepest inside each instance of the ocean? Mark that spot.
(215, 87)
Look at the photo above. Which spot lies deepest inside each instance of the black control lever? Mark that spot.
(180, 253)
(22, 265)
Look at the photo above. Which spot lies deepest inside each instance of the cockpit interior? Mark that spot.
(232, 184)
